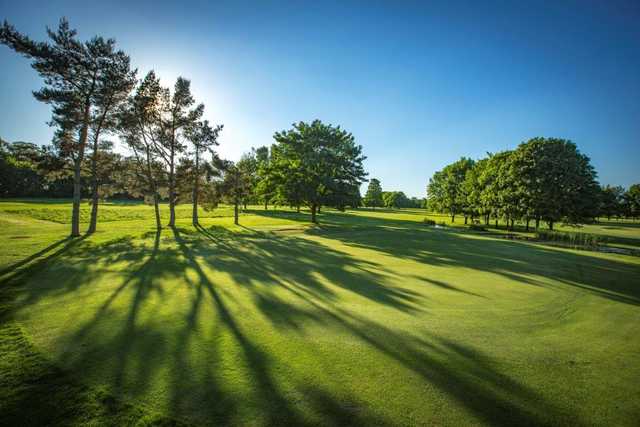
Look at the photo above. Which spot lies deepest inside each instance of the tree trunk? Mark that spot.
(537, 222)
(550, 225)
(235, 211)
(75, 212)
(265, 204)
(465, 220)
(313, 213)
(486, 220)
(453, 218)
(244, 206)
(194, 215)
(298, 209)
(93, 224)
(156, 208)
(512, 223)
(527, 226)
(496, 222)
(196, 185)
(154, 189)
(77, 183)
(319, 207)
(172, 191)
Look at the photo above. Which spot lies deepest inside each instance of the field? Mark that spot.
(371, 318)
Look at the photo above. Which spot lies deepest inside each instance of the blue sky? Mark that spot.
(419, 84)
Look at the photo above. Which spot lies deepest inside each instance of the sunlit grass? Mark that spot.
(370, 318)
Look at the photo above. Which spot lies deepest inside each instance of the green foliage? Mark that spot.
(612, 201)
(632, 201)
(574, 240)
(544, 179)
(445, 191)
(316, 164)
(373, 197)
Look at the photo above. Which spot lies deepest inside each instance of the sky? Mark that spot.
(419, 84)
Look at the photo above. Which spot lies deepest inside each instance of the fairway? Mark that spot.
(370, 318)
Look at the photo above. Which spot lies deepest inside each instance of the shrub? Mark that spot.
(575, 240)
(442, 224)
(429, 222)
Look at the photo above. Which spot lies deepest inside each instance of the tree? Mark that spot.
(395, 199)
(141, 128)
(559, 181)
(115, 84)
(248, 165)
(321, 161)
(445, 189)
(204, 138)
(472, 188)
(632, 201)
(233, 185)
(611, 201)
(74, 74)
(177, 113)
(373, 196)
(265, 186)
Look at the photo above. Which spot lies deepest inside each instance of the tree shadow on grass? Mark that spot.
(526, 263)
(259, 257)
(312, 276)
(461, 372)
(34, 256)
(518, 261)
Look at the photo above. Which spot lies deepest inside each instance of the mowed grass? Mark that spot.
(369, 319)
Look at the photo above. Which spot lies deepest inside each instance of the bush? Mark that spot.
(429, 222)
(575, 240)
(442, 224)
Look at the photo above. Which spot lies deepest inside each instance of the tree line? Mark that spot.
(376, 198)
(542, 180)
(98, 102)
(96, 96)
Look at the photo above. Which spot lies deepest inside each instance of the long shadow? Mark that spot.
(11, 285)
(464, 373)
(520, 261)
(301, 260)
(279, 409)
(312, 275)
(32, 257)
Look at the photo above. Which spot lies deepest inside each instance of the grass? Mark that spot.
(370, 319)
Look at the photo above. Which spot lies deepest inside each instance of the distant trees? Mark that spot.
(94, 95)
(373, 196)
(446, 189)
(612, 201)
(316, 164)
(264, 189)
(543, 179)
(632, 201)
(233, 186)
